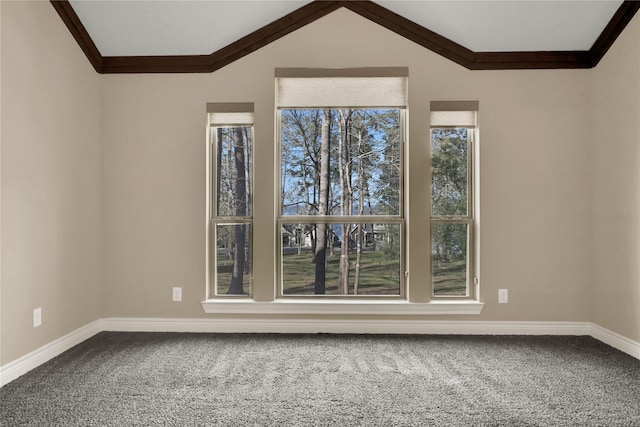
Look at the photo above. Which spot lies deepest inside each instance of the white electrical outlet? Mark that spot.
(37, 317)
(503, 296)
(177, 294)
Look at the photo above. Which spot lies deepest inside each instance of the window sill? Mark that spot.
(360, 307)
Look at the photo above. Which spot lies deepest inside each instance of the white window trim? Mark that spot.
(223, 114)
(462, 114)
(326, 307)
(357, 88)
(291, 306)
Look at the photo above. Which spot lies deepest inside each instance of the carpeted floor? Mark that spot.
(171, 379)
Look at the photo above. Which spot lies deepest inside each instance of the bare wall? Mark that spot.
(615, 235)
(535, 191)
(51, 204)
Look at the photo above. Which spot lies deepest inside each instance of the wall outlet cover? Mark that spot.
(177, 294)
(503, 296)
(37, 317)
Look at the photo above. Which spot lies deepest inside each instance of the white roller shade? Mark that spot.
(230, 113)
(354, 88)
(454, 114)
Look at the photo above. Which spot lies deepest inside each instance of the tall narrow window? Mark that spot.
(341, 220)
(230, 201)
(453, 198)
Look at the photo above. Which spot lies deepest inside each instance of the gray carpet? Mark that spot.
(170, 379)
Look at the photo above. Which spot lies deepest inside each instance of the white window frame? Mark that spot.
(225, 115)
(460, 115)
(343, 89)
(271, 307)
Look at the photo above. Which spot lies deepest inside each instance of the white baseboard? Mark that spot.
(352, 326)
(20, 366)
(24, 364)
(616, 340)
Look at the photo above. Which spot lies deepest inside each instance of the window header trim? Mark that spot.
(230, 113)
(455, 105)
(342, 72)
(452, 114)
(230, 107)
(342, 87)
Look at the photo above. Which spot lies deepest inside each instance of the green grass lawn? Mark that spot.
(379, 275)
(450, 278)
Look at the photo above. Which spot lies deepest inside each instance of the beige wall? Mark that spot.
(615, 236)
(534, 153)
(51, 204)
(103, 189)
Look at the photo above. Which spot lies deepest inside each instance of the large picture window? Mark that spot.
(231, 184)
(453, 198)
(341, 216)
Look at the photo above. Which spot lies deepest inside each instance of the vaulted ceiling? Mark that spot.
(202, 36)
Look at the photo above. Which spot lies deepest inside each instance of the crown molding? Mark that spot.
(614, 28)
(365, 8)
(79, 32)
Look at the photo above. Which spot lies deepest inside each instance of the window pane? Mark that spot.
(341, 259)
(233, 170)
(233, 259)
(449, 171)
(449, 259)
(340, 162)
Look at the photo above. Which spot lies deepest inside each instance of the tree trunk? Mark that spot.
(241, 209)
(344, 168)
(323, 204)
(218, 167)
(345, 199)
(248, 146)
(314, 229)
(360, 235)
(237, 277)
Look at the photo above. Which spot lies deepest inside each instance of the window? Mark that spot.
(341, 214)
(330, 226)
(230, 198)
(453, 198)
